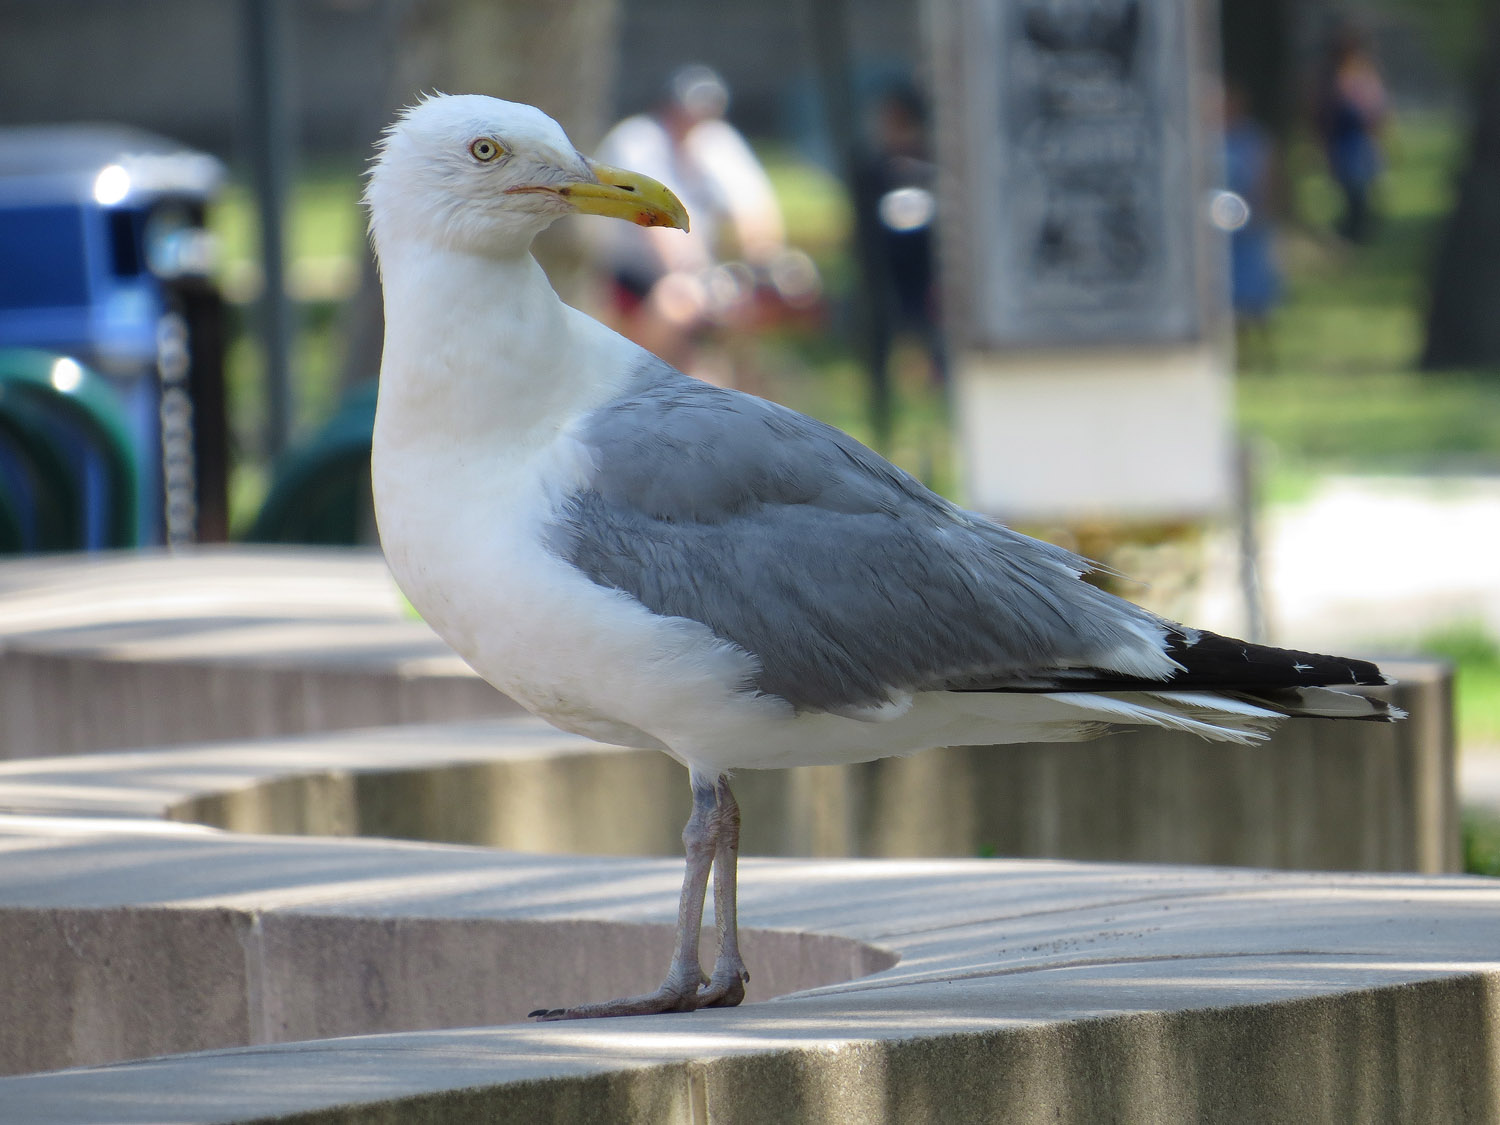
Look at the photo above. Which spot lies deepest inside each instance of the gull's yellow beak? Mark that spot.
(626, 195)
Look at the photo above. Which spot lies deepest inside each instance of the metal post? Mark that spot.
(828, 24)
(1246, 510)
(270, 136)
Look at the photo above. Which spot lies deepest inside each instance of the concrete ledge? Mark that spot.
(518, 783)
(103, 652)
(147, 943)
(1024, 990)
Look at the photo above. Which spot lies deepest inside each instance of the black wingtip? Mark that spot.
(1211, 660)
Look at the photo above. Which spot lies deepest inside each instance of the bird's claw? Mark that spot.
(725, 989)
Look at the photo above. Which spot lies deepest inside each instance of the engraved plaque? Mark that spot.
(1069, 144)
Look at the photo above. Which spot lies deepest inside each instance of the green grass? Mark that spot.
(1481, 844)
(324, 219)
(1336, 390)
(1334, 387)
(1378, 422)
(1476, 660)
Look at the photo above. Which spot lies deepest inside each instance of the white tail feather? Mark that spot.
(1330, 703)
(1221, 720)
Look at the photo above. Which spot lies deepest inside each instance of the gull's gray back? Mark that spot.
(843, 576)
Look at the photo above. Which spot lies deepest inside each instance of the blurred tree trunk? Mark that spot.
(1256, 38)
(1463, 320)
(559, 55)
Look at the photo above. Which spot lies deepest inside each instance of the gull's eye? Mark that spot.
(486, 149)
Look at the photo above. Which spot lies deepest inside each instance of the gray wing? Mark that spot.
(843, 576)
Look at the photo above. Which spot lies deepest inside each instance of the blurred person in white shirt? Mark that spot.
(666, 288)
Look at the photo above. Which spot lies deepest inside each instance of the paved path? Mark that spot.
(1479, 781)
(1385, 559)
(1370, 563)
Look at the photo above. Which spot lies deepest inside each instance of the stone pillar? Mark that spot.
(1084, 291)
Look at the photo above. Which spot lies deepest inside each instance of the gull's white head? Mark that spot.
(486, 176)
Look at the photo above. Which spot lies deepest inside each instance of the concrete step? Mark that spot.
(904, 990)
(111, 651)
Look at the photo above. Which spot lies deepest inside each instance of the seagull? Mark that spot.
(647, 560)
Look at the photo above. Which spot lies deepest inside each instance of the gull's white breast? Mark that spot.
(484, 379)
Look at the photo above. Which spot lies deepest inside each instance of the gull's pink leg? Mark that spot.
(679, 992)
(726, 987)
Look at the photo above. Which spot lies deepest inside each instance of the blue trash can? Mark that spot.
(104, 257)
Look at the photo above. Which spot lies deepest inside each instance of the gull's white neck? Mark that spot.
(480, 348)
(485, 370)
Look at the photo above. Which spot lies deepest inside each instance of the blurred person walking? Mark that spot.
(896, 209)
(1255, 279)
(1350, 115)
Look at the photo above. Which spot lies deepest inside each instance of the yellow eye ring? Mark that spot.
(486, 149)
